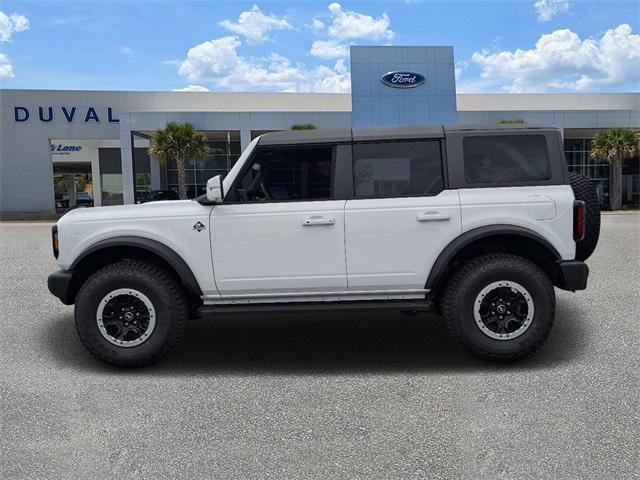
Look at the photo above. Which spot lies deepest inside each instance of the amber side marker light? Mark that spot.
(578, 220)
(54, 240)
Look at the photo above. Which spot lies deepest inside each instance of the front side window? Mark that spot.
(288, 174)
(506, 158)
(398, 168)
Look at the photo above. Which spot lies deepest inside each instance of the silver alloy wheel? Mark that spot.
(126, 317)
(503, 310)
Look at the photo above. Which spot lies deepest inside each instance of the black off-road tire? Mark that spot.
(160, 287)
(470, 279)
(583, 189)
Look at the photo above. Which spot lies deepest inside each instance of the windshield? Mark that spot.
(226, 183)
(228, 179)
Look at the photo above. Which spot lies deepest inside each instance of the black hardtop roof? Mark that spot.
(343, 135)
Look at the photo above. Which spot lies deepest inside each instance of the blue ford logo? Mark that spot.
(401, 79)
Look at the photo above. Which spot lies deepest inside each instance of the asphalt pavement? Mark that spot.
(323, 396)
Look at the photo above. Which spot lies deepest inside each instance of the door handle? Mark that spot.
(432, 216)
(307, 222)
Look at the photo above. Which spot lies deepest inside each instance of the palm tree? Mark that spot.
(180, 141)
(614, 146)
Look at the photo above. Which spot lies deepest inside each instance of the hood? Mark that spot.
(163, 208)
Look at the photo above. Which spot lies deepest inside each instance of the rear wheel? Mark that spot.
(584, 190)
(130, 313)
(499, 306)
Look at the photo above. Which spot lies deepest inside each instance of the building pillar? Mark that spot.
(245, 139)
(126, 159)
(96, 181)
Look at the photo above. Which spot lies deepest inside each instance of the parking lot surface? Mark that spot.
(330, 396)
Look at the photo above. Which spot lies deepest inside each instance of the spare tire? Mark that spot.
(584, 190)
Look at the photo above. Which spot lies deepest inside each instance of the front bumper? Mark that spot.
(574, 275)
(60, 284)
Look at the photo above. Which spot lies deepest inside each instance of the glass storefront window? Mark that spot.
(111, 176)
(578, 161)
(578, 151)
(72, 173)
(222, 155)
(72, 185)
(142, 173)
(112, 193)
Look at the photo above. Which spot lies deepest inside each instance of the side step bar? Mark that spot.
(205, 311)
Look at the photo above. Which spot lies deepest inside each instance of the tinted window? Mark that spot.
(394, 169)
(506, 158)
(280, 174)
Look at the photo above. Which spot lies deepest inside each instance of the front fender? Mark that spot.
(161, 250)
(173, 238)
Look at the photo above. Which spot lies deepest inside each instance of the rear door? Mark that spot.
(513, 177)
(401, 216)
(280, 232)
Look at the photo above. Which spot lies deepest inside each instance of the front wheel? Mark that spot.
(499, 306)
(130, 313)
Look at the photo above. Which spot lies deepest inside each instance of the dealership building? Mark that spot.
(61, 148)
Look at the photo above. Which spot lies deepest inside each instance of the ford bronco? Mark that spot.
(478, 223)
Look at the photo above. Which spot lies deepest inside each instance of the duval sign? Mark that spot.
(403, 79)
(69, 114)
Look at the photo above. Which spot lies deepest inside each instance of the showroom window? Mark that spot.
(396, 169)
(288, 174)
(111, 176)
(224, 151)
(578, 154)
(506, 158)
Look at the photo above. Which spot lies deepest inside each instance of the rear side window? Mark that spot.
(288, 174)
(396, 169)
(506, 158)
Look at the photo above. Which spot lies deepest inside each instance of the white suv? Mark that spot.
(478, 223)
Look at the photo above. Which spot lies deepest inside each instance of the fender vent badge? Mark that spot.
(199, 227)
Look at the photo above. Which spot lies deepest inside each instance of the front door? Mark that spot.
(279, 231)
(400, 218)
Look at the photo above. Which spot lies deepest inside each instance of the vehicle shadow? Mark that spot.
(323, 344)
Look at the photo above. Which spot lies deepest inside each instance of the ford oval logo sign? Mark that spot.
(402, 79)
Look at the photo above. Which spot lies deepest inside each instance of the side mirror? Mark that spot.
(214, 189)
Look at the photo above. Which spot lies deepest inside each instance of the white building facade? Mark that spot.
(61, 149)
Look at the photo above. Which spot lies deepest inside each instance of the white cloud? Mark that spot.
(329, 49)
(317, 25)
(210, 59)
(277, 73)
(254, 25)
(562, 60)
(6, 70)
(347, 25)
(10, 24)
(217, 61)
(336, 79)
(547, 9)
(192, 88)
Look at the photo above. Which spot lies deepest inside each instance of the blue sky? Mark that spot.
(500, 46)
